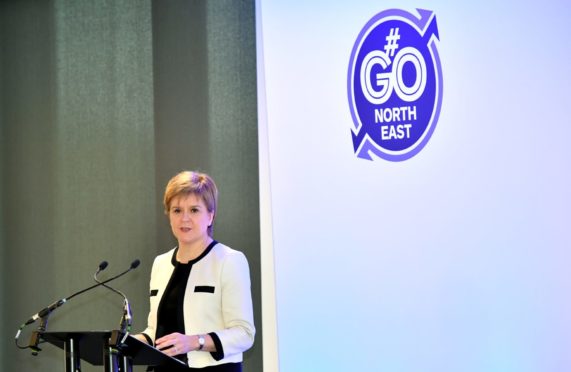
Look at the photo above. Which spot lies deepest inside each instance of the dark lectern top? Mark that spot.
(89, 346)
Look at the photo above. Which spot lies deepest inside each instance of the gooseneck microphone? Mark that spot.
(127, 318)
(45, 312)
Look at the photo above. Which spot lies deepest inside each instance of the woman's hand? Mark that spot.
(173, 344)
(177, 343)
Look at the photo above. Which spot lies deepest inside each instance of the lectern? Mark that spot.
(116, 351)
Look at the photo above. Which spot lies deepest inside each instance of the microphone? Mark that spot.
(47, 310)
(127, 318)
(102, 266)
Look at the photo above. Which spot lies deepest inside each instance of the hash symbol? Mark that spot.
(392, 42)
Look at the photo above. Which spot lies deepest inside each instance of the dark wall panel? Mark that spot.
(233, 138)
(28, 126)
(205, 110)
(101, 102)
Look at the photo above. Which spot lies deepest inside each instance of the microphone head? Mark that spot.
(135, 263)
(103, 265)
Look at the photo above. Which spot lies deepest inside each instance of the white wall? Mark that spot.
(454, 260)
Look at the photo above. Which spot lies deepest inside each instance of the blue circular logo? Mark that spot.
(395, 85)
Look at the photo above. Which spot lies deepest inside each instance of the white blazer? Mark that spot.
(217, 299)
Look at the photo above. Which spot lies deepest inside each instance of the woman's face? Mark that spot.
(189, 219)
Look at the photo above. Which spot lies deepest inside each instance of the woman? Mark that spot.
(201, 305)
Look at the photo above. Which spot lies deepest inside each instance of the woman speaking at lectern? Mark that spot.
(200, 299)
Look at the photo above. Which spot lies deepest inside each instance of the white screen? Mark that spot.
(454, 260)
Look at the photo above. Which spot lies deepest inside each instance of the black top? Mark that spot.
(170, 318)
(170, 315)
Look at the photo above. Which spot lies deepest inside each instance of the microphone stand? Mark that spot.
(127, 318)
(118, 361)
(35, 338)
(45, 313)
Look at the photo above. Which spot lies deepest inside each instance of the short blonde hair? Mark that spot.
(199, 184)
